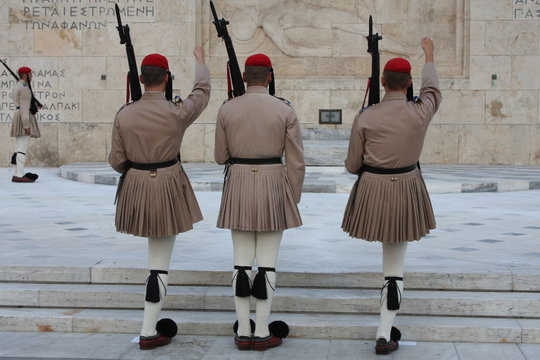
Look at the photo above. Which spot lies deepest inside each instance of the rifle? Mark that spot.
(34, 103)
(133, 75)
(233, 70)
(373, 82)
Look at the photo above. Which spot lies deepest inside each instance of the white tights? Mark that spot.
(21, 147)
(393, 265)
(159, 258)
(264, 247)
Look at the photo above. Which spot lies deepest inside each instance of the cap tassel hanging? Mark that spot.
(272, 85)
(169, 88)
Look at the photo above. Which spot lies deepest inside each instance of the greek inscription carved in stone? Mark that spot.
(526, 9)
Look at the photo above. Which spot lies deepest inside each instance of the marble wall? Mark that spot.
(487, 53)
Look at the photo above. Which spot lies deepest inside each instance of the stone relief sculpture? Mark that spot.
(304, 28)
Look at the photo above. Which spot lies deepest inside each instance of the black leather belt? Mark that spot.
(152, 166)
(143, 166)
(377, 170)
(260, 161)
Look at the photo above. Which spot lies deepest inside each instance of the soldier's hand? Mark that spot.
(428, 47)
(199, 54)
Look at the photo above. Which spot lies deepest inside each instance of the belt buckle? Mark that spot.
(153, 173)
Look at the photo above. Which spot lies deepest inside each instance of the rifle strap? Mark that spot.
(367, 90)
(127, 88)
(229, 84)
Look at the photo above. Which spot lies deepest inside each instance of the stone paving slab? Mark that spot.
(60, 223)
(60, 346)
(439, 179)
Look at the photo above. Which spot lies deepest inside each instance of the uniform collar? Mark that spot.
(153, 95)
(394, 95)
(257, 89)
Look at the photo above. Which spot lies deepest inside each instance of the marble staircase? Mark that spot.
(457, 307)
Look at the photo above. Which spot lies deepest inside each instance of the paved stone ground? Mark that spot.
(61, 222)
(34, 346)
(334, 179)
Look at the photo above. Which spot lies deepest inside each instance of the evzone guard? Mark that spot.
(260, 195)
(155, 197)
(389, 202)
(24, 125)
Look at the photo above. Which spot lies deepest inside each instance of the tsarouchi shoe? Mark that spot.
(23, 179)
(151, 342)
(384, 347)
(268, 342)
(243, 342)
(31, 176)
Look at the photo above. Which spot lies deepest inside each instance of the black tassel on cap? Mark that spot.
(169, 87)
(243, 285)
(152, 285)
(393, 295)
(272, 85)
(259, 283)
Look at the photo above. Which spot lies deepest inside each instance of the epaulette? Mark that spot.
(284, 100)
(123, 106)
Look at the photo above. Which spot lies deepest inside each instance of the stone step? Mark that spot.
(325, 152)
(293, 300)
(316, 326)
(442, 279)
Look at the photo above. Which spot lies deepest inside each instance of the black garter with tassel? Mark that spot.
(152, 286)
(258, 289)
(393, 296)
(243, 283)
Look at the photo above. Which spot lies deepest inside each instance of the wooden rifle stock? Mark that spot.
(133, 74)
(234, 69)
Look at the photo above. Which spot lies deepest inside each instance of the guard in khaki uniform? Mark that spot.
(24, 126)
(260, 193)
(156, 199)
(389, 201)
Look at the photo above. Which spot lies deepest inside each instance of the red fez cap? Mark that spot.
(24, 70)
(398, 65)
(258, 60)
(156, 60)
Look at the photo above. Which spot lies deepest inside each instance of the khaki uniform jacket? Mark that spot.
(22, 119)
(260, 197)
(391, 134)
(391, 208)
(259, 125)
(150, 131)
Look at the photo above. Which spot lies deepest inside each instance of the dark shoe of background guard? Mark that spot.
(151, 342)
(23, 179)
(31, 176)
(261, 344)
(384, 347)
(243, 342)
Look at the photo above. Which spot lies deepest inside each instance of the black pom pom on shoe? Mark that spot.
(167, 327)
(251, 323)
(279, 328)
(395, 334)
